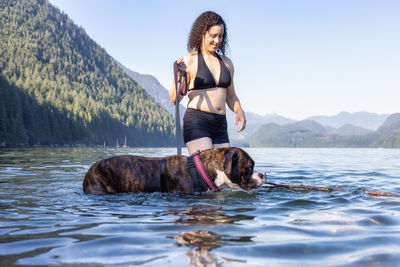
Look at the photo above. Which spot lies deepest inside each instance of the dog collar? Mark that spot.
(163, 178)
(203, 173)
(197, 185)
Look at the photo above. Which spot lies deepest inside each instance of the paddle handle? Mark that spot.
(178, 91)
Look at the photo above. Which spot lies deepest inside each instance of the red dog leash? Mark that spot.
(203, 173)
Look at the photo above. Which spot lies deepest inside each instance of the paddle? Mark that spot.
(328, 189)
(181, 91)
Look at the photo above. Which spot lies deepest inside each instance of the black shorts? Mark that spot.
(198, 124)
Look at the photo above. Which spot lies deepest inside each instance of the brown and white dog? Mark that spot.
(231, 167)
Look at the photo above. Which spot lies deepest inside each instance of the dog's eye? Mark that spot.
(249, 171)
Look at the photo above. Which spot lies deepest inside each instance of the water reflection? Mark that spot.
(201, 242)
(199, 215)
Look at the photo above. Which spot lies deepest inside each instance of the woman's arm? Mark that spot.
(234, 104)
(233, 101)
(172, 93)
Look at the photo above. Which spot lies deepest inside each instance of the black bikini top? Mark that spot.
(204, 78)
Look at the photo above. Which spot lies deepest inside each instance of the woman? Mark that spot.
(209, 84)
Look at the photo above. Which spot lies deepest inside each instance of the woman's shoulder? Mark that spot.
(228, 62)
(190, 57)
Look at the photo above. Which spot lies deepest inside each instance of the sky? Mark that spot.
(295, 58)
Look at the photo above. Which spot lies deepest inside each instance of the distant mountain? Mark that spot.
(268, 118)
(365, 120)
(349, 130)
(387, 140)
(290, 135)
(311, 134)
(254, 121)
(153, 87)
(391, 123)
(310, 125)
(389, 133)
(58, 86)
(343, 124)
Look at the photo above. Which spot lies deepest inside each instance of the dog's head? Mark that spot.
(238, 170)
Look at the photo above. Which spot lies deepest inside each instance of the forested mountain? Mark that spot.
(391, 123)
(389, 133)
(58, 86)
(292, 135)
(154, 88)
(349, 129)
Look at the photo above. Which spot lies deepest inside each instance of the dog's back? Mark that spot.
(123, 174)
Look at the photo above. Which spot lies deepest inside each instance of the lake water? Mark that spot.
(46, 219)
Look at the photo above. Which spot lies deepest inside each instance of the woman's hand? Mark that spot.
(242, 118)
(181, 73)
(181, 67)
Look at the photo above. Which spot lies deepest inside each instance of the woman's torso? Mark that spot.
(210, 99)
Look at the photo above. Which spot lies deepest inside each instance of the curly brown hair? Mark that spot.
(201, 25)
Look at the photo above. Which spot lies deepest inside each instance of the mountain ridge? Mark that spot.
(306, 134)
(367, 120)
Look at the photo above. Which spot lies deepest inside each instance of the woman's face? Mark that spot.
(212, 39)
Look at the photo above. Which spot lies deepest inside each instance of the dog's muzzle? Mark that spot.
(256, 180)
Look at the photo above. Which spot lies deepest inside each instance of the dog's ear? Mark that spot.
(230, 161)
